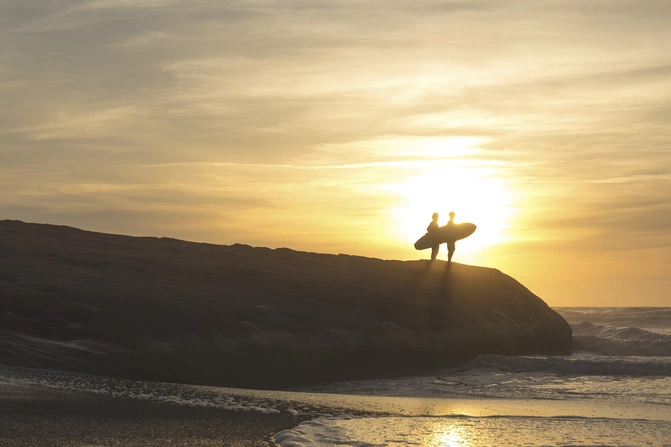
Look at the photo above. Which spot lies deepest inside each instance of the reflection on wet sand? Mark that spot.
(451, 436)
(475, 432)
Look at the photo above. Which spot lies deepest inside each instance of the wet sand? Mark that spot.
(52, 408)
(39, 416)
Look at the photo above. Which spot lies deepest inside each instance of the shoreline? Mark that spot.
(53, 408)
(311, 403)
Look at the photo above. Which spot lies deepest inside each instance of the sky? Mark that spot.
(341, 126)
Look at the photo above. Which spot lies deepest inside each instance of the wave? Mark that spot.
(620, 341)
(655, 318)
(614, 366)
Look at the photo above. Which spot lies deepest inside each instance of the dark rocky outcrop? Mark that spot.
(164, 309)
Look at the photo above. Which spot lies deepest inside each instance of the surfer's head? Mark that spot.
(452, 214)
(435, 216)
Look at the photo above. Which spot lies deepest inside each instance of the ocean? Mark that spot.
(613, 390)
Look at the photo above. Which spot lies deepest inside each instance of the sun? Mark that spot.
(475, 194)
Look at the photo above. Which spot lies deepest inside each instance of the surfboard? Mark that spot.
(446, 233)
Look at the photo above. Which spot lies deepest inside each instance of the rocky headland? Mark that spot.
(168, 310)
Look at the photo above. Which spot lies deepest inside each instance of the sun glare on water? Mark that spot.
(474, 194)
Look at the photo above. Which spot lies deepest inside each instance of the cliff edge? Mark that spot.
(169, 310)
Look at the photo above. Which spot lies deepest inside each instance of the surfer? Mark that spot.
(431, 229)
(451, 245)
(449, 234)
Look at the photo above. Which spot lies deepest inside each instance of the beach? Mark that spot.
(46, 408)
(583, 399)
(43, 416)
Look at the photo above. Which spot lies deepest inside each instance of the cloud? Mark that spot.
(45, 15)
(140, 40)
(313, 111)
(89, 124)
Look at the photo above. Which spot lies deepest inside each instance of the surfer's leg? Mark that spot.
(434, 252)
(450, 251)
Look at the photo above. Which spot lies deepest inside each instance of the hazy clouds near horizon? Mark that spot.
(296, 123)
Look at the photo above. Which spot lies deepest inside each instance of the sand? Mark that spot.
(63, 409)
(39, 416)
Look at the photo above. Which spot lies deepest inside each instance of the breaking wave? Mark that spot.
(620, 341)
(652, 318)
(615, 366)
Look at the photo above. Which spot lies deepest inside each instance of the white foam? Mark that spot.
(632, 379)
(168, 393)
(620, 341)
(578, 364)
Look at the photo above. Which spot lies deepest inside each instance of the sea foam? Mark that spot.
(620, 341)
(588, 365)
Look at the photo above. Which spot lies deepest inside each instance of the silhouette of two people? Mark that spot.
(433, 229)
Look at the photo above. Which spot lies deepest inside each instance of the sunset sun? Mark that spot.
(474, 194)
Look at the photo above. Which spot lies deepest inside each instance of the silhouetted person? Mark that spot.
(432, 228)
(451, 245)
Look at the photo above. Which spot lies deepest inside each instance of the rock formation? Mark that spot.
(168, 310)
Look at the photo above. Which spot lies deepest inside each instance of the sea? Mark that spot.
(614, 389)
